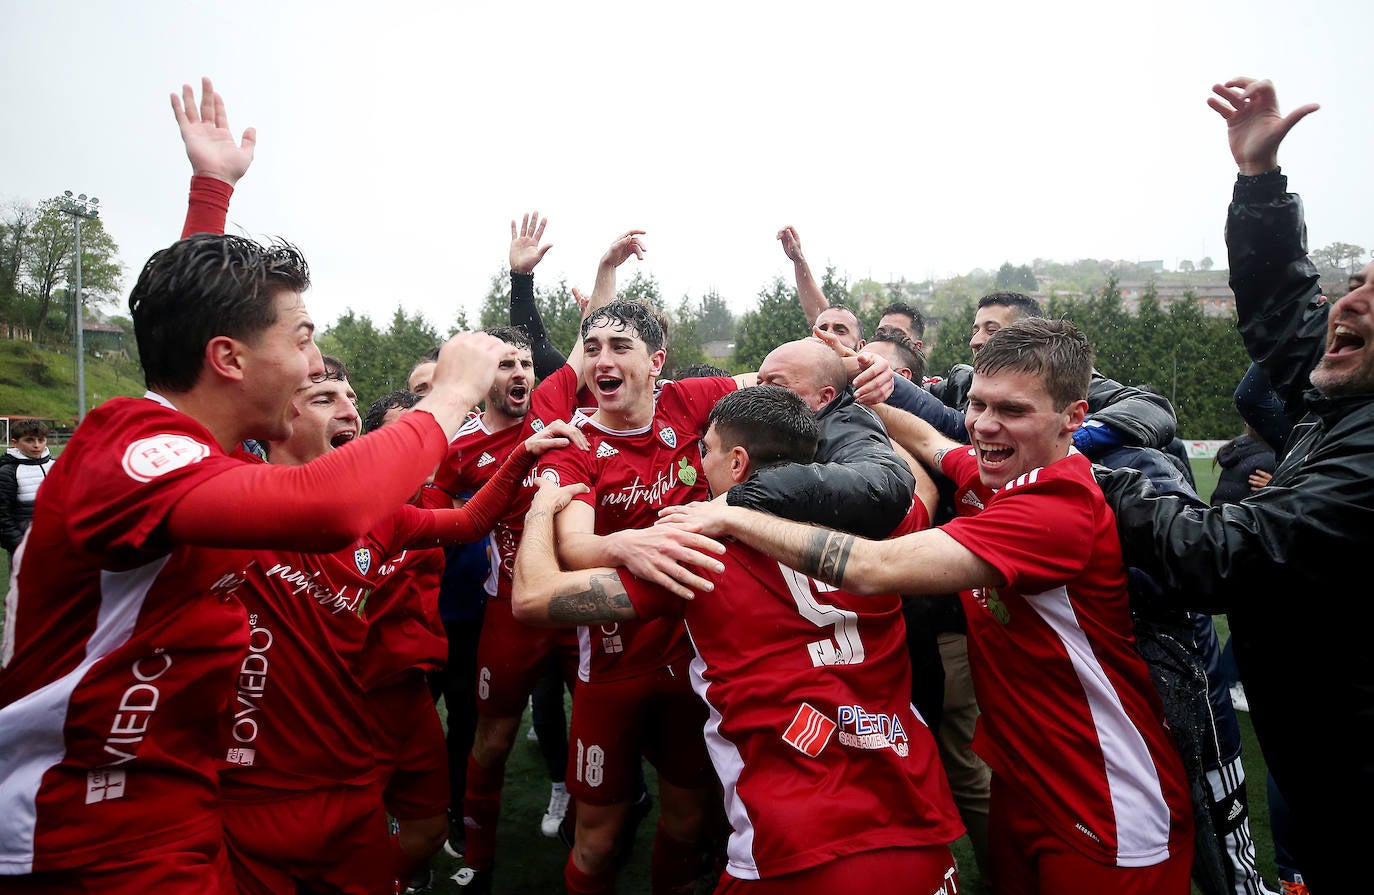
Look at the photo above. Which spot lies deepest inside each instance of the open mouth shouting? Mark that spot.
(993, 454)
(518, 393)
(1344, 341)
(343, 436)
(608, 385)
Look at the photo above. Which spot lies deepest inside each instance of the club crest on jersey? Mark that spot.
(536, 424)
(810, 731)
(362, 558)
(863, 729)
(668, 436)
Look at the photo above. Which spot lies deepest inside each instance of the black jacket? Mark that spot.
(1287, 563)
(1238, 459)
(858, 483)
(16, 508)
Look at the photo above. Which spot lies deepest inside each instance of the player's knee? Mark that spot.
(494, 740)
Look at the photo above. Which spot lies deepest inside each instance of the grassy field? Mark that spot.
(38, 382)
(528, 862)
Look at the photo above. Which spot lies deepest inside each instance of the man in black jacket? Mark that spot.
(1304, 536)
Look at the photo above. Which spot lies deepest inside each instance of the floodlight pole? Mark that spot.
(80, 207)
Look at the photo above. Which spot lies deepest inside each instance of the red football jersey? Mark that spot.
(1087, 740)
(301, 719)
(476, 453)
(632, 475)
(811, 728)
(404, 630)
(120, 648)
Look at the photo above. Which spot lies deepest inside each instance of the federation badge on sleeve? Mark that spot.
(362, 558)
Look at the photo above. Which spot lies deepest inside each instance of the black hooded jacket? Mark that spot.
(1286, 563)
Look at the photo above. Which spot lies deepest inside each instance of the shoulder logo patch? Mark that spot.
(604, 450)
(668, 435)
(362, 558)
(148, 458)
(485, 460)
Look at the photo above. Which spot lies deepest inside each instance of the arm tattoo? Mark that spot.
(940, 456)
(826, 555)
(604, 599)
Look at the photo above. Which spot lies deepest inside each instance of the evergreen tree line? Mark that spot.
(1193, 359)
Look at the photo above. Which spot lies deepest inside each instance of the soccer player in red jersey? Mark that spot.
(831, 780)
(302, 800)
(512, 656)
(1089, 793)
(123, 636)
(633, 695)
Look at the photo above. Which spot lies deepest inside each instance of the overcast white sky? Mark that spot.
(396, 141)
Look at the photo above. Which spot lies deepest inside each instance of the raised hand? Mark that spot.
(1254, 127)
(525, 250)
(625, 245)
(791, 244)
(209, 142)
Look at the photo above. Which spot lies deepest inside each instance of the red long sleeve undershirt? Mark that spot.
(479, 515)
(207, 207)
(321, 506)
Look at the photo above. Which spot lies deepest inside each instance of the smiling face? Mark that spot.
(1015, 427)
(989, 320)
(509, 396)
(275, 362)
(1347, 367)
(621, 371)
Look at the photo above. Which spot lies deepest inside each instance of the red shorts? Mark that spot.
(199, 867)
(412, 758)
(655, 715)
(331, 840)
(1025, 855)
(512, 656)
(926, 869)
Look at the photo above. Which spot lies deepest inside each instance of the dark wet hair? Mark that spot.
(769, 421)
(511, 335)
(1055, 350)
(918, 320)
(908, 354)
(1024, 304)
(701, 371)
(629, 316)
(201, 288)
(397, 400)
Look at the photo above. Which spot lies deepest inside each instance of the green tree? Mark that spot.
(950, 337)
(685, 347)
(776, 318)
(49, 256)
(1015, 279)
(715, 318)
(1342, 256)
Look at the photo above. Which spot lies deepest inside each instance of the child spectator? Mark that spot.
(22, 469)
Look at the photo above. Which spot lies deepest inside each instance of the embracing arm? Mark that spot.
(543, 594)
(915, 400)
(925, 562)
